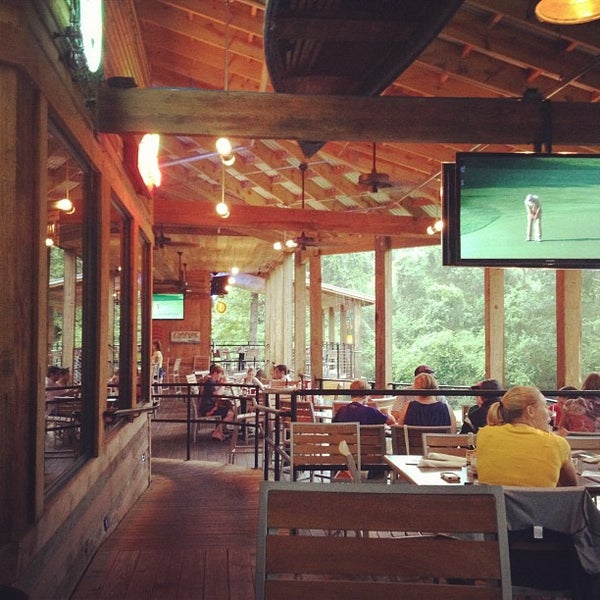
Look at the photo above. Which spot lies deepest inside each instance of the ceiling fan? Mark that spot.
(375, 180)
(161, 240)
(181, 282)
(303, 241)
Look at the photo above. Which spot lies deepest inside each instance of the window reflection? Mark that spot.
(64, 408)
(117, 302)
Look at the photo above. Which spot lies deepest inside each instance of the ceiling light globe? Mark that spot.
(277, 246)
(65, 205)
(291, 244)
(49, 242)
(222, 209)
(223, 146)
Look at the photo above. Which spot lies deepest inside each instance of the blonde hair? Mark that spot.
(512, 404)
(425, 381)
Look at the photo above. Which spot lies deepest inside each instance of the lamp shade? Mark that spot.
(568, 12)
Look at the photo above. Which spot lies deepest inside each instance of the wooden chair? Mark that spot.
(315, 446)
(372, 450)
(408, 439)
(298, 559)
(584, 442)
(455, 444)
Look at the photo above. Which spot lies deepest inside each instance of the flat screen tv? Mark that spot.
(168, 306)
(522, 210)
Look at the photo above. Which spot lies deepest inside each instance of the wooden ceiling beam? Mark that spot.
(174, 213)
(288, 116)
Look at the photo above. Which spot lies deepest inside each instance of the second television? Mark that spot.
(522, 210)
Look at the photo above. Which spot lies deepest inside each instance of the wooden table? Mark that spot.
(407, 469)
(405, 466)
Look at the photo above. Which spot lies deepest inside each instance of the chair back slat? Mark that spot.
(370, 555)
(408, 439)
(455, 444)
(315, 446)
(584, 442)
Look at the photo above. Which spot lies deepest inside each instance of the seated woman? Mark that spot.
(582, 414)
(517, 446)
(426, 410)
(357, 411)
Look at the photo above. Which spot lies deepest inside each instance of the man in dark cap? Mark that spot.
(477, 415)
(424, 369)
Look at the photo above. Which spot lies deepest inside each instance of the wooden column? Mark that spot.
(568, 328)
(316, 317)
(279, 314)
(331, 325)
(356, 339)
(494, 324)
(300, 302)
(24, 275)
(343, 324)
(383, 312)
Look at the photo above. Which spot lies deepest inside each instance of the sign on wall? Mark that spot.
(185, 337)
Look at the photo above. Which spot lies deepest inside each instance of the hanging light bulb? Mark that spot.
(64, 205)
(225, 151)
(222, 208)
(277, 246)
(234, 271)
(290, 244)
(436, 227)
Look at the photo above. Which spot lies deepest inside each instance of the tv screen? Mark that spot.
(167, 306)
(522, 210)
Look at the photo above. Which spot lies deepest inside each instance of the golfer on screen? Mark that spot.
(533, 206)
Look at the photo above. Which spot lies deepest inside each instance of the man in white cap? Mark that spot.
(533, 206)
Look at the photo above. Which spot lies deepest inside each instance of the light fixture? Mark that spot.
(221, 207)
(234, 271)
(568, 12)
(436, 227)
(64, 205)
(148, 160)
(225, 150)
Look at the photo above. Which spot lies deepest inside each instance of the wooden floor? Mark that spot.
(192, 535)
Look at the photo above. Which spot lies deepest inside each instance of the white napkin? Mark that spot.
(445, 461)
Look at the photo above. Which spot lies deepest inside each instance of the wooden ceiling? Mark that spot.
(489, 49)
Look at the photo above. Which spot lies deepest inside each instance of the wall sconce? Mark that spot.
(225, 151)
(436, 227)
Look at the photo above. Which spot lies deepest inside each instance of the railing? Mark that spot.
(187, 392)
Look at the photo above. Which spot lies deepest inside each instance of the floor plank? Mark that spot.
(191, 535)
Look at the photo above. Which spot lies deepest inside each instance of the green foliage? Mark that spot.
(233, 326)
(438, 318)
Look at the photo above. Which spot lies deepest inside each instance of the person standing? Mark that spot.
(533, 207)
(157, 362)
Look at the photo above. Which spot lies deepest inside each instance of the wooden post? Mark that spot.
(316, 317)
(300, 302)
(383, 314)
(568, 328)
(494, 323)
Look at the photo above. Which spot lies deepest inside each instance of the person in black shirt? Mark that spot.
(477, 415)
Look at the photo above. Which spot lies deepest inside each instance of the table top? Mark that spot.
(406, 467)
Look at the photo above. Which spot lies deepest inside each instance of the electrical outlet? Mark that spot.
(143, 457)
